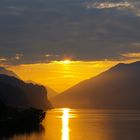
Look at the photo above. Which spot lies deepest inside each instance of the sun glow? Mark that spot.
(65, 62)
(65, 124)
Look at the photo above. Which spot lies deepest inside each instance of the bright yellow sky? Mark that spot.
(61, 75)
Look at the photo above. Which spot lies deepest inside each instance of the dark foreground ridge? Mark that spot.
(23, 105)
(18, 117)
(18, 121)
(9, 132)
(17, 93)
(4, 71)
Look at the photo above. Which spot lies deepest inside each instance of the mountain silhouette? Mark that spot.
(50, 92)
(3, 70)
(116, 88)
(17, 93)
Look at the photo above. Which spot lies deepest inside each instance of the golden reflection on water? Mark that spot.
(65, 124)
(86, 124)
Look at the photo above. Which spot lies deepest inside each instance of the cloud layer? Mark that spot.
(46, 30)
(107, 5)
(129, 6)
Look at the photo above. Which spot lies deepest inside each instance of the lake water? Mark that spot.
(72, 124)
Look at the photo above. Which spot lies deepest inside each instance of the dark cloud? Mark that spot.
(82, 29)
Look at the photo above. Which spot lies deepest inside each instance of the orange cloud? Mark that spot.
(135, 55)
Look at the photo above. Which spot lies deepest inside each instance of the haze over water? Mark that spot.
(86, 124)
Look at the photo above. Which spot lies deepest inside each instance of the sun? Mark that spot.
(66, 62)
(63, 62)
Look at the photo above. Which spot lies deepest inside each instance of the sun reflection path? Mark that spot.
(65, 124)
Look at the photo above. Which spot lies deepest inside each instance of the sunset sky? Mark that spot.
(59, 43)
(60, 75)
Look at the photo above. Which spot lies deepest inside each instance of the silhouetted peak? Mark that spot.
(7, 76)
(14, 89)
(50, 92)
(3, 70)
(125, 67)
(137, 63)
(10, 80)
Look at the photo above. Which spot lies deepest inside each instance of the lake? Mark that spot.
(86, 124)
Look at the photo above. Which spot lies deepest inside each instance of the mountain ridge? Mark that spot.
(107, 90)
(5, 71)
(16, 92)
